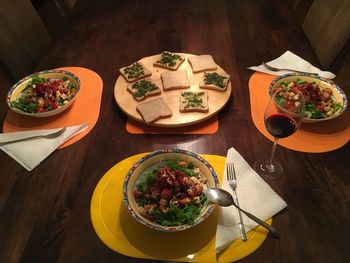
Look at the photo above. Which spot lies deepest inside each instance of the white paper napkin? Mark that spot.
(30, 153)
(291, 61)
(254, 195)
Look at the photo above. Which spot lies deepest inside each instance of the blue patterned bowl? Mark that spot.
(337, 93)
(152, 159)
(16, 90)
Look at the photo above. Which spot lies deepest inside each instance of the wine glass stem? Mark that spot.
(272, 153)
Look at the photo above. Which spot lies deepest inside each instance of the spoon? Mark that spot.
(223, 198)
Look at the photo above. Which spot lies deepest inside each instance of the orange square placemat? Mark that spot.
(85, 109)
(209, 126)
(310, 137)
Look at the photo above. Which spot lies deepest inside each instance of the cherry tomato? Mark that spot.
(166, 193)
(137, 194)
(47, 102)
(55, 105)
(290, 105)
(320, 107)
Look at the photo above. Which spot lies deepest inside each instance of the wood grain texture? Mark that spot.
(45, 214)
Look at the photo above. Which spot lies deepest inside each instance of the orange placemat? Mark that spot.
(120, 232)
(311, 137)
(85, 109)
(209, 126)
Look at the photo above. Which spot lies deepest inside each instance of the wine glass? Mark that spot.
(282, 117)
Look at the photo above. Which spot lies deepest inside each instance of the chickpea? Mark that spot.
(329, 113)
(328, 90)
(183, 164)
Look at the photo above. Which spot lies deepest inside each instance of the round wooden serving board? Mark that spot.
(216, 99)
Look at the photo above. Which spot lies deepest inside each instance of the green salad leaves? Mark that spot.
(166, 194)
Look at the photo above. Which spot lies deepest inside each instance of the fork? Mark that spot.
(232, 181)
(288, 69)
(48, 136)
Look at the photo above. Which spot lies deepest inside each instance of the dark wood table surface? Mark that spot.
(45, 214)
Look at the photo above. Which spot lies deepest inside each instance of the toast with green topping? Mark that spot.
(143, 88)
(168, 60)
(191, 101)
(214, 81)
(135, 72)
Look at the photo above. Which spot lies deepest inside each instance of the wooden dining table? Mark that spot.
(45, 213)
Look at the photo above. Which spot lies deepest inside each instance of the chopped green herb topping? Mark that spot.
(134, 71)
(193, 99)
(214, 78)
(143, 87)
(169, 59)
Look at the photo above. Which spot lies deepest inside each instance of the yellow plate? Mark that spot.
(216, 99)
(120, 232)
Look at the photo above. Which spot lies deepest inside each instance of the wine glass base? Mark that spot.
(268, 171)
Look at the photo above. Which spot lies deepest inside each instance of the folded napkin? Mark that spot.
(254, 195)
(291, 61)
(30, 153)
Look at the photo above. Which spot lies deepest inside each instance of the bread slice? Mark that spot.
(202, 63)
(153, 110)
(168, 60)
(175, 80)
(143, 88)
(191, 101)
(214, 81)
(135, 72)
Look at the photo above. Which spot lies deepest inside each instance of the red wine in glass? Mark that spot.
(282, 117)
(280, 125)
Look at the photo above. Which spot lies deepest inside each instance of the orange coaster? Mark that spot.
(85, 109)
(210, 126)
(120, 232)
(310, 137)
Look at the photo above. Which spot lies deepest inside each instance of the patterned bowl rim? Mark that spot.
(210, 207)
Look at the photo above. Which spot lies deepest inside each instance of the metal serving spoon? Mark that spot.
(223, 198)
(323, 74)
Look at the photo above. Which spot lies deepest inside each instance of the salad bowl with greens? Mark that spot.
(44, 94)
(324, 100)
(164, 190)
